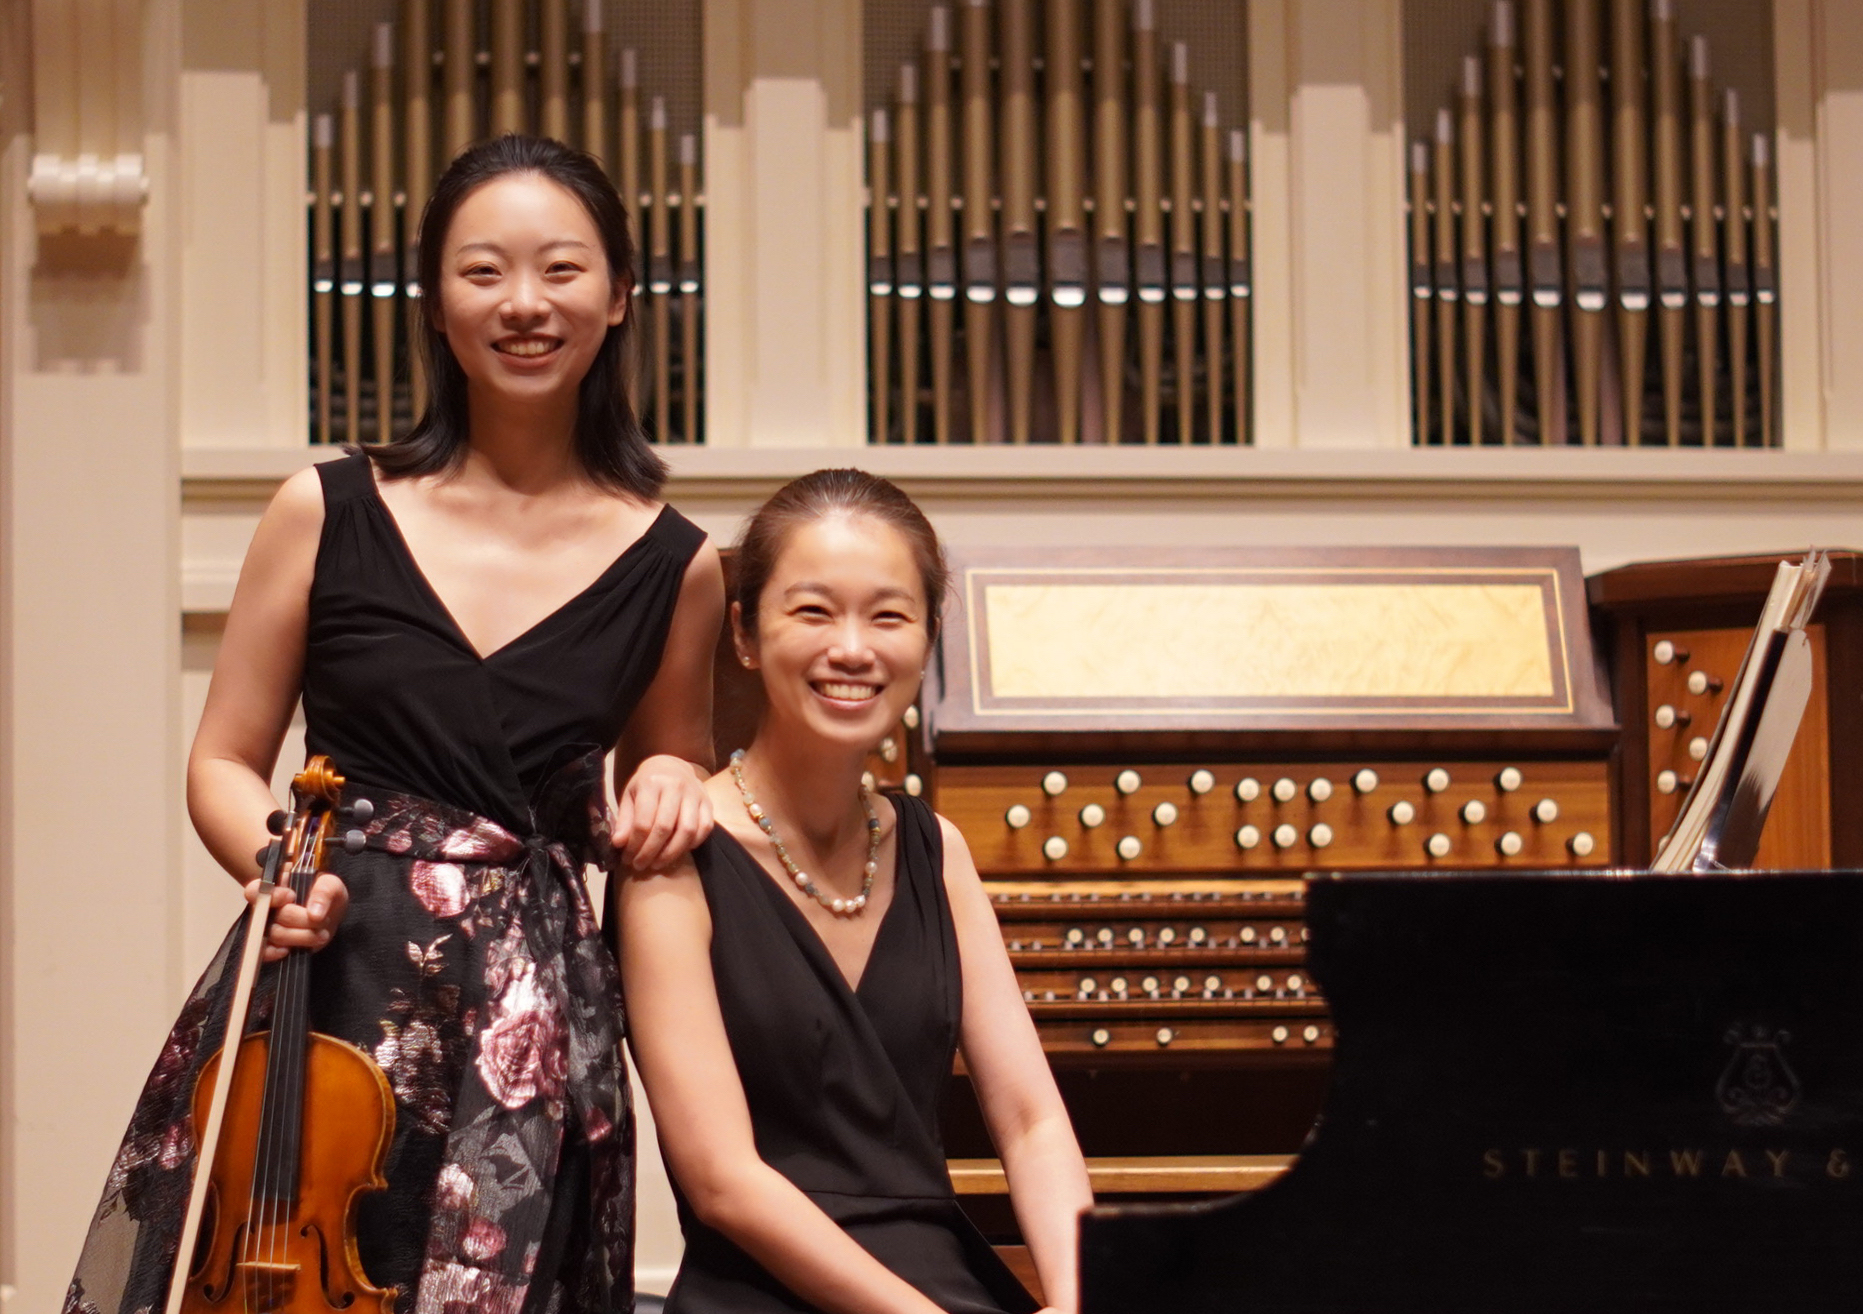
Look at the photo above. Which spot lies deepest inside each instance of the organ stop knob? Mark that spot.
(1092, 815)
(1700, 682)
(1164, 814)
(1546, 812)
(1285, 789)
(1248, 837)
(1279, 1035)
(1054, 848)
(1365, 781)
(1666, 652)
(1438, 845)
(1127, 782)
(1581, 844)
(1436, 780)
(1248, 789)
(1667, 782)
(1053, 784)
(1320, 789)
(1202, 782)
(1508, 779)
(1510, 844)
(1129, 847)
(1402, 812)
(1668, 717)
(1320, 836)
(1285, 836)
(1474, 812)
(1698, 747)
(1018, 816)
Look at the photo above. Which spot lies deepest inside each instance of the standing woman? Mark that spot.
(473, 616)
(799, 987)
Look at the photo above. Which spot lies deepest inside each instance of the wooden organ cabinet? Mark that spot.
(1146, 749)
(1676, 631)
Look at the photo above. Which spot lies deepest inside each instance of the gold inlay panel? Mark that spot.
(1298, 640)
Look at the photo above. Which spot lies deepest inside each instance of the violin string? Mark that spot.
(295, 971)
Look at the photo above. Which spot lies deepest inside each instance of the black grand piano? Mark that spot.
(1551, 1092)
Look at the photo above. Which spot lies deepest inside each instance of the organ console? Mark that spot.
(1142, 811)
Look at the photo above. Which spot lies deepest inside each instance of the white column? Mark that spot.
(785, 301)
(89, 674)
(1326, 81)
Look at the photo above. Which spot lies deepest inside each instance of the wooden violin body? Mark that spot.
(294, 1131)
(299, 1254)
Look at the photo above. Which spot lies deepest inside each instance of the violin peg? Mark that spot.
(354, 841)
(263, 856)
(277, 822)
(360, 810)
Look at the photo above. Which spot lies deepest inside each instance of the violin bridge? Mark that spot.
(268, 1286)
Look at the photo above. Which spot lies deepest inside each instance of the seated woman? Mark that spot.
(797, 990)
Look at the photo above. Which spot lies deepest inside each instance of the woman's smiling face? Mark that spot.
(841, 631)
(526, 296)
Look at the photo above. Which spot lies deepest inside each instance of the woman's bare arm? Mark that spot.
(679, 1042)
(666, 751)
(256, 679)
(1047, 1177)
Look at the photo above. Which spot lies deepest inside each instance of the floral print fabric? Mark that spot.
(471, 966)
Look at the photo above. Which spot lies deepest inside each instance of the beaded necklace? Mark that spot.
(841, 907)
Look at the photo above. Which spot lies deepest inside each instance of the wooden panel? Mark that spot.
(1214, 1173)
(1080, 642)
(1798, 829)
(1343, 829)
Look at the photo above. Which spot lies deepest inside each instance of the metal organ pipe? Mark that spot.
(1634, 202)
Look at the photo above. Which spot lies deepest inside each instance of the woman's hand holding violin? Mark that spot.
(664, 813)
(308, 926)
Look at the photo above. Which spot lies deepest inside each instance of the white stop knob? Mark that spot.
(1320, 790)
(1166, 1035)
(1279, 1035)
(1285, 789)
(1092, 815)
(1311, 1035)
(1101, 1037)
(1436, 780)
(914, 785)
(1054, 848)
(1402, 813)
(1508, 779)
(1285, 836)
(1699, 682)
(1546, 812)
(1202, 782)
(1248, 837)
(1018, 816)
(1438, 845)
(1053, 783)
(911, 718)
(1474, 812)
(1320, 836)
(1127, 782)
(1248, 789)
(1663, 653)
(1129, 847)
(1665, 717)
(1165, 814)
(1581, 844)
(1667, 782)
(1510, 844)
(1698, 747)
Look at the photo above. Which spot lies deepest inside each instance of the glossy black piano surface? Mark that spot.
(1551, 1091)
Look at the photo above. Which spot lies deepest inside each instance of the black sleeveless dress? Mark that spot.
(843, 1084)
(469, 964)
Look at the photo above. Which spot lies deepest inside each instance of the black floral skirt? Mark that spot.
(471, 967)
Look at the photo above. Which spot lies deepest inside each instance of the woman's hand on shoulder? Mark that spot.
(664, 813)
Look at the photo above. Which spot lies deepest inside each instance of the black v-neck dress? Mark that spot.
(843, 1084)
(469, 965)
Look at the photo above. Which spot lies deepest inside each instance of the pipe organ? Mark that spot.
(1051, 168)
(1589, 174)
(436, 76)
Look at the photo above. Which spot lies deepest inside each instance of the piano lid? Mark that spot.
(1327, 644)
(1551, 1092)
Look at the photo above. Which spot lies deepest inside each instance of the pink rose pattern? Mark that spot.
(508, 1027)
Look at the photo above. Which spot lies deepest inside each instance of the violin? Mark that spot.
(292, 1131)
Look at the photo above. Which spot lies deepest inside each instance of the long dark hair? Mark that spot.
(609, 441)
(817, 496)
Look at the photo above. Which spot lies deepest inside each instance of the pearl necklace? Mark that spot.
(841, 907)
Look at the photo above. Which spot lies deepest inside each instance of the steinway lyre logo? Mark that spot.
(1758, 1087)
